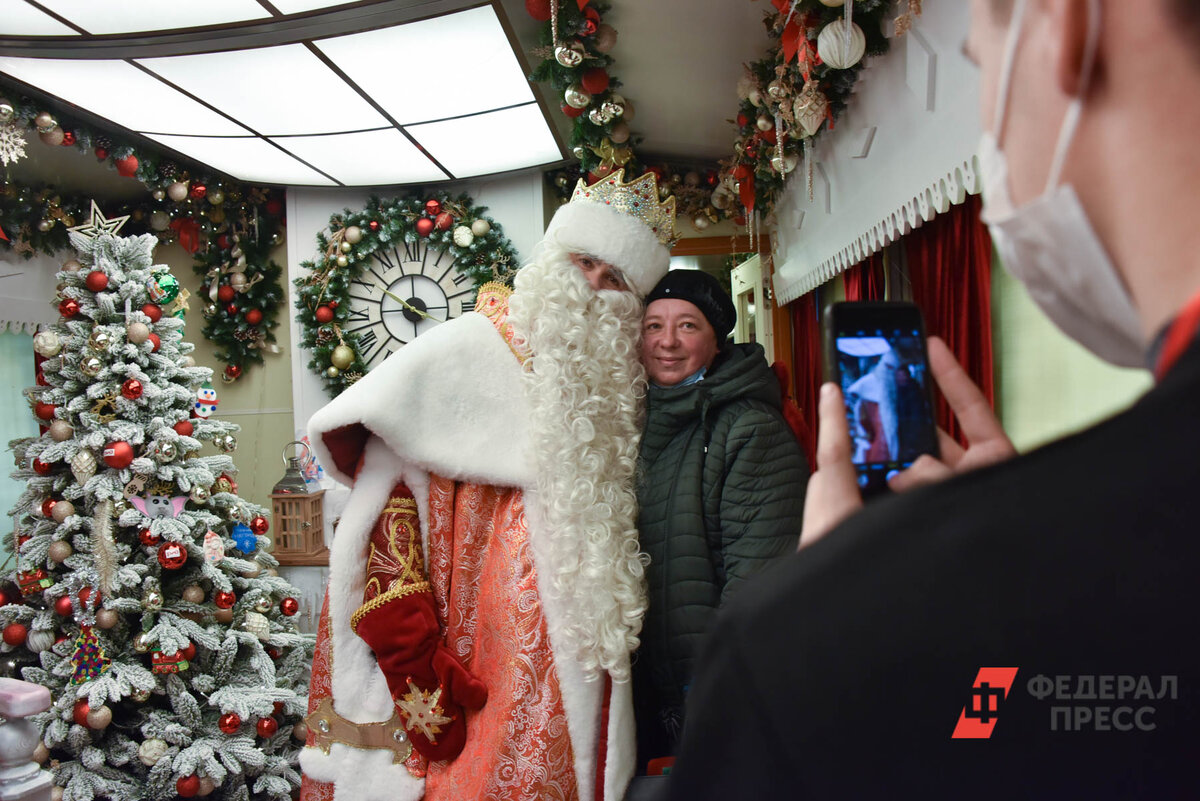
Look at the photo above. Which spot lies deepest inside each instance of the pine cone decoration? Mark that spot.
(168, 169)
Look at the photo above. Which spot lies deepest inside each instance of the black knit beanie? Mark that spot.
(702, 291)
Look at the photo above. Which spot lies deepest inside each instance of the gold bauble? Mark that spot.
(342, 357)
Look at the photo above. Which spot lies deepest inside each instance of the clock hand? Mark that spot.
(406, 304)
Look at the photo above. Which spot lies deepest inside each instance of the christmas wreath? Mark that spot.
(477, 243)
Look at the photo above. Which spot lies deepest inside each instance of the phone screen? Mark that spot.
(882, 369)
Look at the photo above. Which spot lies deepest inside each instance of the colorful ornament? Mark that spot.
(433, 207)
(443, 221)
(232, 372)
(184, 428)
(323, 314)
(44, 411)
(15, 634)
(42, 468)
(79, 712)
(149, 538)
(214, 549)
(34, 581)
(229, 723)
(289, 606)
(172, 555)
(68, 308)
(155, 342)
(153, 311)
(63, 606)
(594, 80)
(243, 538)
(424, 226)
(226, 443)
(127, 167)
(266, 727)
(262, 604)
(141, 642)
(254, 316)
(226, 293)
(91, 366)
(187, 786)
(199, 494)
(131, 389)
(259, 525)
(89, 662)
(206, 401)
(224, 599)
(167, 663)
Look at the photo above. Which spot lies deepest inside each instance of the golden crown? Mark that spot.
(638, 199)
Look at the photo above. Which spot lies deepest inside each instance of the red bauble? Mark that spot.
(156, 343)
(148, 538)
(42, 468)
(188, 786)
(189, 653)
(85, 595)
(131, 389)
(231, 309)
(444, 221)
(80, 712)
(432, 207)
(259, 525)
(277, 708)
(224, 600)
(289, 606)
(589, 27)
(272, 652)
(172, 555)
(127, 167)
(594, 80)
(229, 723)
(233, 372)
(571, 111)
(743, 121)
(323, 314)
(226, 293)
(198, 191)
(424, 226)
(266, 727)
(153, 311)
(44, 411)
(48, 506)
(184, 428)
(96, 281)
(118, 455)
(333, 304)
(274, 207)
(69, 307)
(373, 225)
(68, 138)
(63, 606)
(15, 634)
(254, 316)
(101, 154)
(711, 178)
(752, 150)
(539, 9)
(223, 242)
(767, 136)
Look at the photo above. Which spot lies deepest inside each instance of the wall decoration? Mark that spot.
(389, 272)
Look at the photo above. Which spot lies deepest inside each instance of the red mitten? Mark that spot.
(429, 685)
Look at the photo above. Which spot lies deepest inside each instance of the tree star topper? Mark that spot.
(420, 711)
(99, 224)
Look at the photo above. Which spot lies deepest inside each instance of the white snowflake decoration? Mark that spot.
(12, 145)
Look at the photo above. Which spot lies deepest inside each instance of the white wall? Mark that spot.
(903, 151)
(514, 201)
(27, 290)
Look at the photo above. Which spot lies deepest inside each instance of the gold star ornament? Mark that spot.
(421, 711)
(99, 224)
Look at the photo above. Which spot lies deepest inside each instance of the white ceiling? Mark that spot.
(679, 61)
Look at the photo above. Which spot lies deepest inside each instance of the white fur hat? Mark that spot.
(622, 224)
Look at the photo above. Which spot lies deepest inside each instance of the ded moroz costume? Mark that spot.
(485, 583)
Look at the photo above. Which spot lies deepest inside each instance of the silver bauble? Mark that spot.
(166, 452)
(576, 97)
(227, 443)
(7, 110)
(152, 600)
(263, 604)
(100, 340)
(199, 494)
(159, 194)
(141, 696)
(91, 366)
(784, 164)
(599, 116)
(141, 641)
(569, 56)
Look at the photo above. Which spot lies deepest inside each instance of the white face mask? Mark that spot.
(1049, 244)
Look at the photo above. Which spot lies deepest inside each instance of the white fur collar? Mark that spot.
(452, 402)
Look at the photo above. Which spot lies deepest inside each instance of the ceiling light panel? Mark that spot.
(21, 19)
(302, 90)
(366, 157)
(248, 159)
(122, 93)
(456, 64)
(132, 16)
(497, 141)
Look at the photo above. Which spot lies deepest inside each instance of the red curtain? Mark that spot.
(949, 268)
(806, 360)
(865, 280)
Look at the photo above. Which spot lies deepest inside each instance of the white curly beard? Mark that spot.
(12, 145)
(585, 385)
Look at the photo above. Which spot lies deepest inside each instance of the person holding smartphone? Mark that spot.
(720, 487)
(1025, 628)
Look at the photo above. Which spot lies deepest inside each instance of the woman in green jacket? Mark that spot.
(721, 487)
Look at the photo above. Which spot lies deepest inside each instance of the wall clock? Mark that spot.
(405, 291)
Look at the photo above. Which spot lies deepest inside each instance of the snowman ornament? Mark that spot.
(206, 401)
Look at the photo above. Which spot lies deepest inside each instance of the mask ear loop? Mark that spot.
(1006, 70)
(1075, 110)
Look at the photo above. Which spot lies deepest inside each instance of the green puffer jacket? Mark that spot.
(721, 490)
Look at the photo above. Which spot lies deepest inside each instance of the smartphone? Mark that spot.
(875, 351)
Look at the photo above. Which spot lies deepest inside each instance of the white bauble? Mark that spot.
(463, 236)
(834, 49)
(152, 750)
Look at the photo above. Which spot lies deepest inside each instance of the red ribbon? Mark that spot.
(2, 235)
(747, 192)
(188, 231)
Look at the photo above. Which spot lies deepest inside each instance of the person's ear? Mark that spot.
(1069, 20)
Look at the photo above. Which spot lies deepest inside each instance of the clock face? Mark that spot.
(402, 293)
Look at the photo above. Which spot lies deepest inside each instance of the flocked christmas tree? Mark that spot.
(144, 598)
